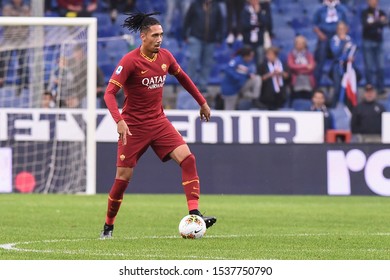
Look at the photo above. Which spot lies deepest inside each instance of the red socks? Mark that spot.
(115, 199)
(190, 182)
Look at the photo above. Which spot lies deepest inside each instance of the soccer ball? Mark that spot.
(192, 227)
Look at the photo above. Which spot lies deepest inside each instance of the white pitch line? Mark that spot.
(13, 246)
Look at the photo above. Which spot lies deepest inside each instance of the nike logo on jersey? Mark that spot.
(144, 71)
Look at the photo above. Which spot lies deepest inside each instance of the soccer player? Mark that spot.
(142, 73)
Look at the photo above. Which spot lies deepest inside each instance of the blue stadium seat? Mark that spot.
(185, 101)
(144, 6)
(107, 70)
(289, 19)
(244, 104)
(103, 58)
(285, 37)
(171, 80)
(299, 104)
(103, 6)
(290, 10)
(117, 48)
(341, 116)
(105, 27)
(8, 98)
(309, 7)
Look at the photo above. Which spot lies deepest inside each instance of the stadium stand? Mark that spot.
(290, 18)
(293, 18)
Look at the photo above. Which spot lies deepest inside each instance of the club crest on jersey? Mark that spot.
(164, 67)
(119, 69)
(154, 82)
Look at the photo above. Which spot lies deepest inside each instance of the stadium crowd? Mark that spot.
(255, 54)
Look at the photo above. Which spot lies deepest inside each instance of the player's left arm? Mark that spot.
(189, 85)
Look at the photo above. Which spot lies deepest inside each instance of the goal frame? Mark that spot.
(91, 24)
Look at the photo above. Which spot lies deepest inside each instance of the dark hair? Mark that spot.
(318, 90)
(140, 21)
(244, 51)
(273, 49)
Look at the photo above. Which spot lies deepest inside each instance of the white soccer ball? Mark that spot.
(192, 227)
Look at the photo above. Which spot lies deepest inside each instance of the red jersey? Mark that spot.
(142, 79)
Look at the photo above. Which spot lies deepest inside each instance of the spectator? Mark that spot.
(76, 8)
(366, 122)
(319, 105)
(100, 87)
(240, 79)
(203, 28)
(373, 21)
(325, 22)
(54, 80)
(274, 78)
(255, 22)
(234, 10)
(68, 80)
(48, 6)
(343, 50)
(266, 9)
(121, 6)
(182, 7)
(76, 78)
(301, 64)
(15, 41)
(47, 100)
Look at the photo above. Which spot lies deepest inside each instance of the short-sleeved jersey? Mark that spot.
(142, 79)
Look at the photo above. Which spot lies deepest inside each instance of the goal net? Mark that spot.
(48, 101)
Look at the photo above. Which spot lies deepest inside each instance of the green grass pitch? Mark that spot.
(63, 227)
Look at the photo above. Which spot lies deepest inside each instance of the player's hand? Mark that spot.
(205, 112)
(123, 131)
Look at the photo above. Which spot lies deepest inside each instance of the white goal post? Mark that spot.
(13, 91)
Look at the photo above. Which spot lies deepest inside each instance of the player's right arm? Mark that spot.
(118, 78)
(110, 99)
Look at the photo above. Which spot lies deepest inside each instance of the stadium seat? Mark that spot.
(290, 10)
(342, 117)
(300, 104)
(289, 19)
(103, 58)
(107, 70)
(244, 104)
(144, 6)
(8, 98)
(185, 101)
(171, 80)
(105, 27)
(309, 7)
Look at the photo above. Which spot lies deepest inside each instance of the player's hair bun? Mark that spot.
(137, 21)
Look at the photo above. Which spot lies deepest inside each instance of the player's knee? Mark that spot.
(190, 160)
(188, 166)
(124, 173)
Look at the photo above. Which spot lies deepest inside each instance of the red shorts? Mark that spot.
(161, 136)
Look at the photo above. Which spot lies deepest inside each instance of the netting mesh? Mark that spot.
(43, 90)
